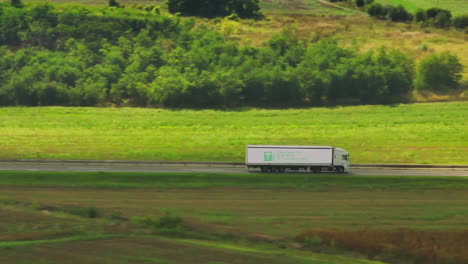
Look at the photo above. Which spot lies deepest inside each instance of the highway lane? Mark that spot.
(206, 167)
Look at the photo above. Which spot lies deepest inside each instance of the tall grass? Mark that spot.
(422, 246)
(416, 133)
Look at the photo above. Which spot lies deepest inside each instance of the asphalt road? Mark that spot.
(207, 167)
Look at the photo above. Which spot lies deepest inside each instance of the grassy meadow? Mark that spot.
(176, 218)
(430, 133)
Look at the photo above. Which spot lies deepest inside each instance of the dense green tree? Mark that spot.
(420, 15)
(216, 8)
(399, 14)
(17, 3)
(439, 72)
(377, 10)
(460, 22)
(72, 56)
(13, 22)
(6, 63)
(439, 17)
(113, 3)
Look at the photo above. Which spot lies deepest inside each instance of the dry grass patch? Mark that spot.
(424, 246)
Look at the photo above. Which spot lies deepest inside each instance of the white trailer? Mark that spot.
(276, 158)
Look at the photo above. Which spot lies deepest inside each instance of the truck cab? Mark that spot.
(341, 160)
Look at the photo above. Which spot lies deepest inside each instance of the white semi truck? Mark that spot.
(276, 158)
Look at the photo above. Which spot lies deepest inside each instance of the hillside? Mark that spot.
(307, 54)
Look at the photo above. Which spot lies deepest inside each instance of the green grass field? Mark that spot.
(226, 218)
(432, 133)
(458, 7)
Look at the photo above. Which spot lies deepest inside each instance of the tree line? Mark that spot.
(216, 8)
(436, 17)
(87, 56)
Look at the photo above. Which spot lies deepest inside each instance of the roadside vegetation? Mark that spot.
(430, 133)
(253, 218)
(128, 56)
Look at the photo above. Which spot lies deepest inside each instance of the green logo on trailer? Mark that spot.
(268, 156)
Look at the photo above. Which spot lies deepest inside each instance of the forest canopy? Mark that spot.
(88, 56)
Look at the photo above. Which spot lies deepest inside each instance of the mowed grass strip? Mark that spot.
(14, 244)
(416, 133)
(207, 180)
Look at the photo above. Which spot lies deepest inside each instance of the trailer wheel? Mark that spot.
(281, 169)
(264, 169)
(316, 169)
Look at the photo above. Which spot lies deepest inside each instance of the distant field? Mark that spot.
(227, 218)
(433, 133)
(457, 7)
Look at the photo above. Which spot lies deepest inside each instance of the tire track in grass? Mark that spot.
(13, 244)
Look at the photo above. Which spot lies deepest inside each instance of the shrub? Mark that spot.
(113, 3)
(313, 241)
(439, 72)
(439, 17)
(168, 221)
(442, 20)
(17, 3)
(420, 15)
(87, 212)
(460, 22)
(377, 10)
(433, 12)
(399, 14)
(215, 8)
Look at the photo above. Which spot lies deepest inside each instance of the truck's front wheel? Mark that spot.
(340, 169)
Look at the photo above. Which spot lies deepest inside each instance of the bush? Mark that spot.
(360, 3)
(420, 15)
(88, 212)
(399, 14)
(168, 221)
(17, 3)
(433, 12)
(113, 3)
(377, 10)
(460, 22)
(442, 20)
(216, 8)
(439, 17)
(439, 72)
